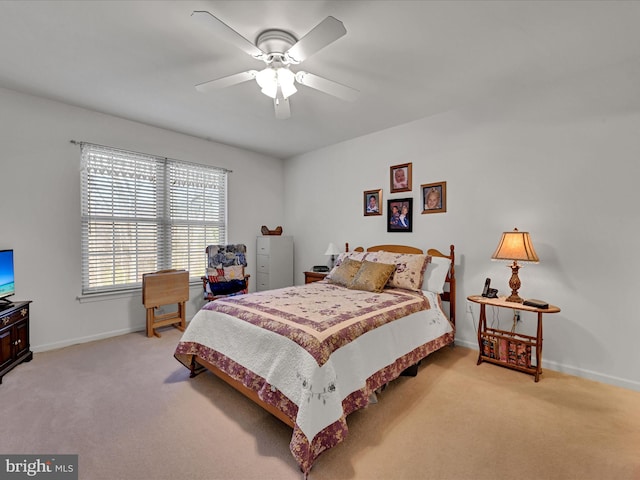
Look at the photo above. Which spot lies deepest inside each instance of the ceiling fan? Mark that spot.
(279, 50)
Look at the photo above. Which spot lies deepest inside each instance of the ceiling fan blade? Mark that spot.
(326, 32)
(226, 81)
(327, 86)
(227, 33)
(281, 105)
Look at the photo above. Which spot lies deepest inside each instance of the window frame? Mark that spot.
(143, 213)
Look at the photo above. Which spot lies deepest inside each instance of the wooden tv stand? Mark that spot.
(14, 336)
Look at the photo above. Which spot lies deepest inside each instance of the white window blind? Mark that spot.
(142, 213)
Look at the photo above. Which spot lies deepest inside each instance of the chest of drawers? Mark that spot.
(274, 257)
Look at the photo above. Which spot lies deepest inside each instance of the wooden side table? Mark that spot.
(310, 277)
(510, 349)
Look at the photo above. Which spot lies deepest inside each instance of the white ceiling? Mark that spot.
(140, 60)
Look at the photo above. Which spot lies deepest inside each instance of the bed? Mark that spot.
(313, 354)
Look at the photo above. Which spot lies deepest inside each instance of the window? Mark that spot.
(142, 214)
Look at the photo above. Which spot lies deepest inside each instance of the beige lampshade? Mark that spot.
(516, 246)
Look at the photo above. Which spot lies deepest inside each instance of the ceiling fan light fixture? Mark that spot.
(270, 91)
(271, 78)
(285, 79)
(268, 81)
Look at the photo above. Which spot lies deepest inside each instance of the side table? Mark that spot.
(310, 277)
(510, 349)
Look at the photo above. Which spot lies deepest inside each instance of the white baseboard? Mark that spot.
(91, 338)
(576, 372)
(558, 367)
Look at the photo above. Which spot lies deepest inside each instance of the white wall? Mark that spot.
(561, 163)
(40, 216)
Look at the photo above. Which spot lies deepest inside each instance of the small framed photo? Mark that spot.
(400, 176)
(372, 202)
(434, 197)
(399, 215)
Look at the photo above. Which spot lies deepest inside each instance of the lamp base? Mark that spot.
(514, 283)
(514, 298)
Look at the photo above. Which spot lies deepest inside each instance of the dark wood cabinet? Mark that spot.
(14, 337)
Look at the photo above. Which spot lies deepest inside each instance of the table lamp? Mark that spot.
(333, 251)
(515, 246)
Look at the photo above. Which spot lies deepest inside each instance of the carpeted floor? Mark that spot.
(130, 411)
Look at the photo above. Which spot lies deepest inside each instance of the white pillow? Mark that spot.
(436, 274)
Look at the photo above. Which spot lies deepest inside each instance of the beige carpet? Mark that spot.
(130, 411)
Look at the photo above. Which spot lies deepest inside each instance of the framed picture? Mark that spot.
(400, 176)
(434, 197)
(399, 215)
(372, 202)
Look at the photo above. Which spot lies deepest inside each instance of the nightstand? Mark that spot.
(510, 349)
(310, 277)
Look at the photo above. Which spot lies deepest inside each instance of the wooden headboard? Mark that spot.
(448, 295)
(391, 248)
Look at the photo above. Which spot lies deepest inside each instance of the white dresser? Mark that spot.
(274, 258)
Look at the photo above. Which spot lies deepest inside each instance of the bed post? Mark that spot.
(452, 287)
(195, 368)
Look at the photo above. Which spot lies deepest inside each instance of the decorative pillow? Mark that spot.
(358, 256)
(343, 275)
(409, 272)
(228, 288)
(234, 272)
(216, 275)
(372, 276)
(436, 274)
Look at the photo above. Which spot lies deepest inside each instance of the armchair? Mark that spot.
(225, 271)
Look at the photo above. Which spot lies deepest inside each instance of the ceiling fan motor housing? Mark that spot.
(275, 43)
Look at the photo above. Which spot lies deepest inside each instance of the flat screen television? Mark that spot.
(7, 276)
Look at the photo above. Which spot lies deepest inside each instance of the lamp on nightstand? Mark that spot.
(333, 251)
(515, 246)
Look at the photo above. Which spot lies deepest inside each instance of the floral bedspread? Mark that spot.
(321, 317)
(317, 351)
